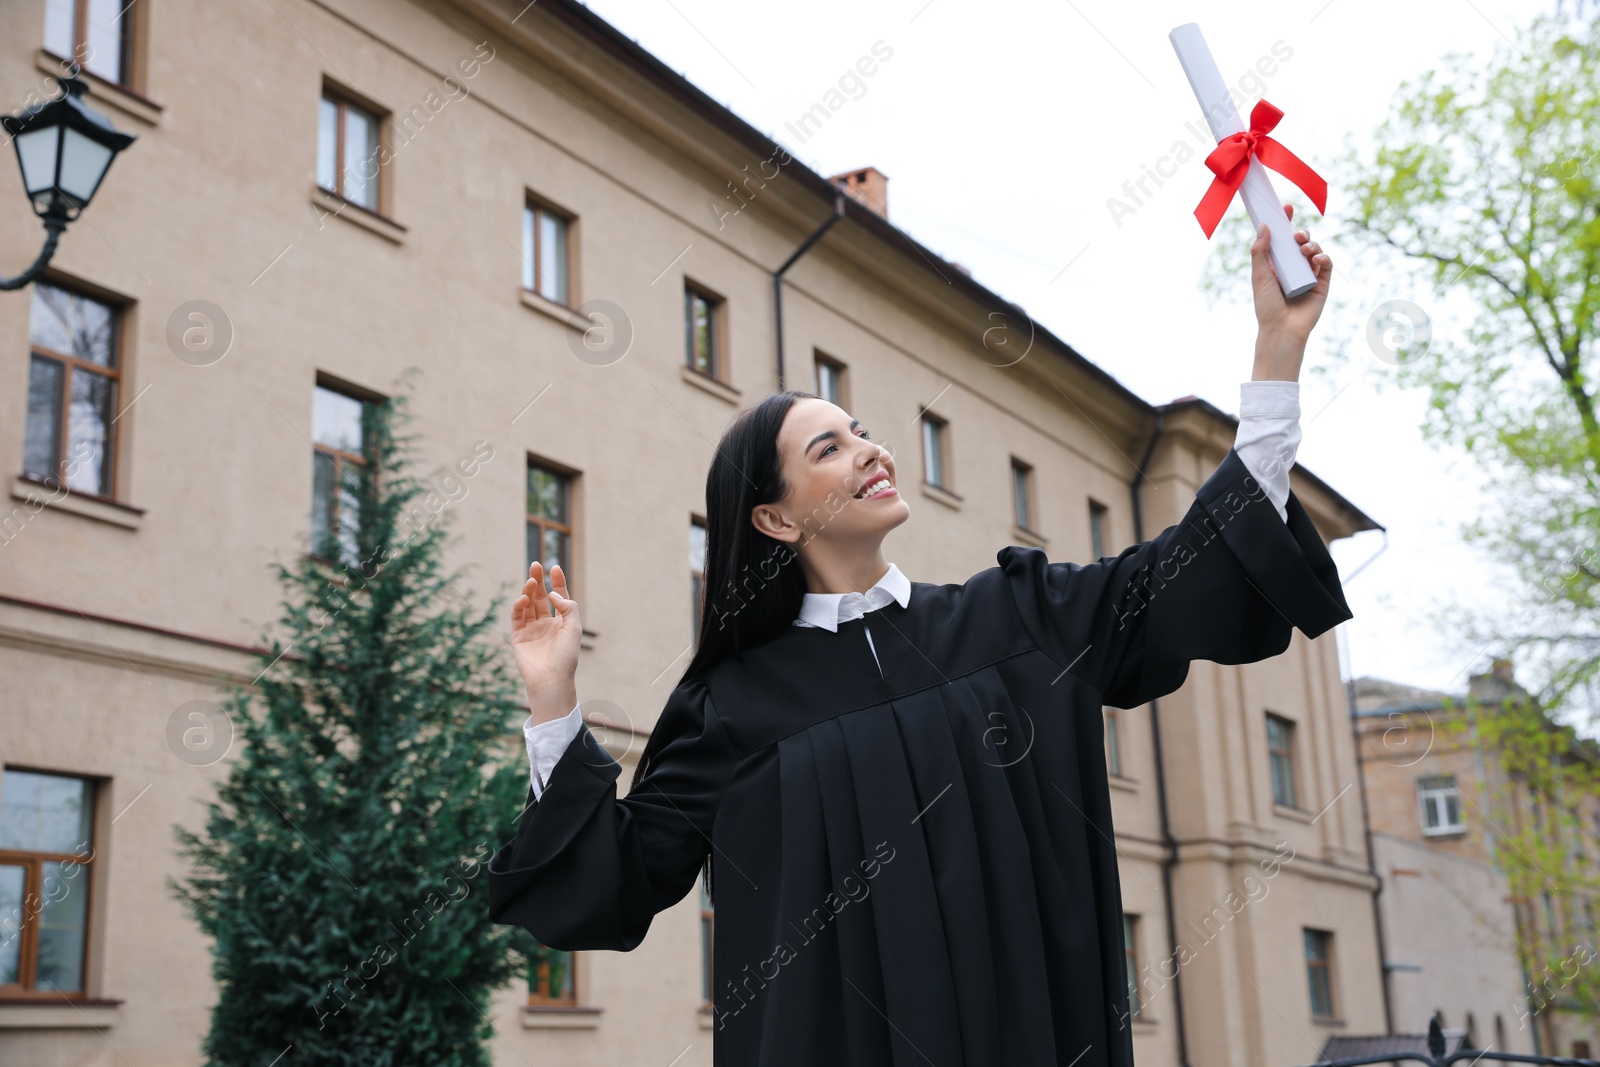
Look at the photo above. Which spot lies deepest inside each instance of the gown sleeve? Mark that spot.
(1226, 583)
(587, 870)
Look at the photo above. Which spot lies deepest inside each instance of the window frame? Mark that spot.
(33, 863)
(716, 326)
(345, 99)
(697, 581)
(1284, 757)
(568, 529)
(1113, 735)
(708, 944)
(939, 443)
(340, 456)
(132, 29)
(837, 369)
(538, 979)
(1024, 500)
(1130, 957)
(537, 207)
(1323, 966)
(120, 311)
(1441, 787)
(1098, 515)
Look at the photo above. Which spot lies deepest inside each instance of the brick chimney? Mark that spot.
(1502, 669)
(868, 185)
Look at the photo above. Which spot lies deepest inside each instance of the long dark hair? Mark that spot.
(753, 583)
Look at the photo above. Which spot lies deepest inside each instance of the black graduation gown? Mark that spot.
(918, 866)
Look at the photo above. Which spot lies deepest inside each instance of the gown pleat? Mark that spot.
(1005, 864)
(919, 999)
(860, 977)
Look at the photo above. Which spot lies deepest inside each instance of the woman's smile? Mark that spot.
(880, 485)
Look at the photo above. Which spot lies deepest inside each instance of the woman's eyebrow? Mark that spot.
(826, 435)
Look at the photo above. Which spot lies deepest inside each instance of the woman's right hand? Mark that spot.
(546, 644)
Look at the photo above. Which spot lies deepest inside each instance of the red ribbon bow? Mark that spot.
(1230, 161)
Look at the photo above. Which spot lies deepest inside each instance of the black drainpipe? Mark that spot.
(1169, 842)
(777, 276)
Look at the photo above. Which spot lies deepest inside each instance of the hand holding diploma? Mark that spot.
(1283, 325)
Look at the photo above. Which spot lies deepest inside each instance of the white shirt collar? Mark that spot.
(828, 610)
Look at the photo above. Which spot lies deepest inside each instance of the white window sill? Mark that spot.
(1028, 537)
(715, 386)
(40, 496)
(60, 1014)
(560, 1018)
(101, 91)
(556, 310)
(942, 495)
(1298, 814)
(332, 204)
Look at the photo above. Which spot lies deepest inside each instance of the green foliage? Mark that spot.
(341, 871)
(1538, 809)
(1487, 181)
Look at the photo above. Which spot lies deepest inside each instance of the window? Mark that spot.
(830, 379)
(933, 450)
(1097, 530)
(707, 930)
(73, 378)
(1130, 950)
(551, 975)
(1022, 493)
(1280, 749)
(550, 522)
(46, 864)
(697, 576)
(98, 34)
(544, 252)
(1441, 804)
(347, 150)
(1318, 973)
(703, 330)
(341, 430)
(1113, 741)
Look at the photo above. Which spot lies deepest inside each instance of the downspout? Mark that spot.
(777, 276)
(1384, 969)
(1169, 842)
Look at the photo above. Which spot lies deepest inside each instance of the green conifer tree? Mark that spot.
(341, 872)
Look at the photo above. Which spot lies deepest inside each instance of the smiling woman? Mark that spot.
(837, 714)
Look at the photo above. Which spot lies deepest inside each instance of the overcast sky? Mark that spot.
(1006, 126)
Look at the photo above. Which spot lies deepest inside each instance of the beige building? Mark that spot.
(1443, 810)
(577, 249)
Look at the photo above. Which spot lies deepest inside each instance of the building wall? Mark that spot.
(1450, 918)
(114, 618)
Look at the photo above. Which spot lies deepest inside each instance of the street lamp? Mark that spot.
(64, 149)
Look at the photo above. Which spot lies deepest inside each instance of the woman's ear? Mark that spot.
(770, 520)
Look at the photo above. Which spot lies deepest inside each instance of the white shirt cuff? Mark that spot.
(546, 741)
(1269, 436)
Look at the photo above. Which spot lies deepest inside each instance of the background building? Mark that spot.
(577, 250)
(1443, 809)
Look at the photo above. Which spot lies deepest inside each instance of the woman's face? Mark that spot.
(829, 462)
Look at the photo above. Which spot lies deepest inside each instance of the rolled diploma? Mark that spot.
(1295, 275)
